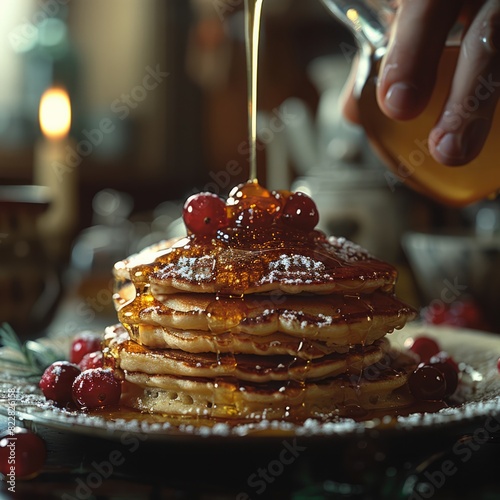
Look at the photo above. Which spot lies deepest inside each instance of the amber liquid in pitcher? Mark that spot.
(403, 144)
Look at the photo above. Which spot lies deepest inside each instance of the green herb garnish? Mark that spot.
(31, 356)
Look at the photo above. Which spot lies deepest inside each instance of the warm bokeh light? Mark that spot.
(353, 16)
(55, 113)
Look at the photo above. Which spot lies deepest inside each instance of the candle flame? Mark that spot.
(55, 113)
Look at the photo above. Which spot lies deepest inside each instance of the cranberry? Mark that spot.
(204, 213)
(469, 314)
(82, 344)
(450, 375)
(425, 348)
(300, 211)
(96, 388)
(22, 454)
(57, 381)
(91, 360)
(427, 383)
(436, 315)
(463, 313)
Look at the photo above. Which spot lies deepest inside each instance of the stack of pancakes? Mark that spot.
(290, 329)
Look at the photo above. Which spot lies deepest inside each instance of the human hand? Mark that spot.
(408, 72)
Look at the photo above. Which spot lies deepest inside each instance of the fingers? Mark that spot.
(408, 72)
(462, 129)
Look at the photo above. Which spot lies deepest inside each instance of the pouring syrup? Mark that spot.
(253, 12)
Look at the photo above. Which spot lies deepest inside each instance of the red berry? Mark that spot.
(427, 383)
(449, 374)
(57, 381)
(84, 343)
(300, 211)
(22, 454)
(436, 315)
(464, 313)
(91, 360)
(204, 213)
(96, 387)
(425, 348)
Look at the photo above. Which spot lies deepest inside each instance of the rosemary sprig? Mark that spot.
(32, 356)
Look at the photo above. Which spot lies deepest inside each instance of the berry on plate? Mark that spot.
(91, 360)
(84, 343)
(22, 454)
(424, 347)
(57, 381)
(96, 388)
(427, 383)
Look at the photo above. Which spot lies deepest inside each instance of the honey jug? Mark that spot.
(402, 145)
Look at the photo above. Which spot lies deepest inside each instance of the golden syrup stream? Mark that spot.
(253, 11)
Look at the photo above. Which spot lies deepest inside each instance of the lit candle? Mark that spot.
(51, 169)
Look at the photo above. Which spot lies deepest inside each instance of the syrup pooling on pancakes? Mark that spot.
(259, 257)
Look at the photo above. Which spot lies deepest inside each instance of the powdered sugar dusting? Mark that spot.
(193, 269)
(348, 250)
(318, 321)
(292, 269)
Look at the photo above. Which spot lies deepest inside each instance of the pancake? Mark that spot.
(229, 399)
(237, 263)
(335, 319)
(133, 357)
(239, 343)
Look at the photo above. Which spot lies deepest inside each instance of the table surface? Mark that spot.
(97, 468)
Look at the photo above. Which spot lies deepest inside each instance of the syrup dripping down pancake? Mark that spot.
(335, 319)
(246, 262)
(133, 357)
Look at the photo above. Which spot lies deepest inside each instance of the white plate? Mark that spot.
(480, 392)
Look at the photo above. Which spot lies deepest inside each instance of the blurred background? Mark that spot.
(113, 112)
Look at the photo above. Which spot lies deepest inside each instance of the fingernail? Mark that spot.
(457, 149)
(400, 97)
(450, 149)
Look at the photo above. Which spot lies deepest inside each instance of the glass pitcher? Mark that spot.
(403, 144)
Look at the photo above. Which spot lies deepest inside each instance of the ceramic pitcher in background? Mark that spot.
(403, 144)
